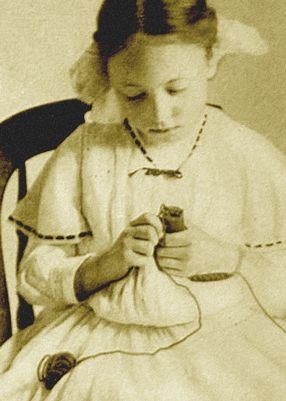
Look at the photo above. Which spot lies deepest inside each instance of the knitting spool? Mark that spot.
(53, 367)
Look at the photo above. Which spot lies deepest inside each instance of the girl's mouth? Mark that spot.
(163, 131)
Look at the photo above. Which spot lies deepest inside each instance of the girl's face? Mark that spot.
(162, 89)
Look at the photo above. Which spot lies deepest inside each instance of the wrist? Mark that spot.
(96, 273)
(84, 283)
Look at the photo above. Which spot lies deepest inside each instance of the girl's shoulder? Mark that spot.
(250, 182)
(244, 143)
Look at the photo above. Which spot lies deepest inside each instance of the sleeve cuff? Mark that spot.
(62, 280)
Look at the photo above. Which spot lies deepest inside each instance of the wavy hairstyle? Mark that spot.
(119, 20)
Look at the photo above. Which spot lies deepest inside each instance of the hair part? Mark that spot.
(191, 21)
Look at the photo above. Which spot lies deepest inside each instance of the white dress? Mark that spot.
(151, 336)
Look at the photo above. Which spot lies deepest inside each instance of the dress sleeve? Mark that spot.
(51, 216)
(263, 222)
(52, 209)
(248, 208)
(47, 272)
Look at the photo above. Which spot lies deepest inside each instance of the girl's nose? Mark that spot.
(162, 111)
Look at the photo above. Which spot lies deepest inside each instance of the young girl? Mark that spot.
(132, 311)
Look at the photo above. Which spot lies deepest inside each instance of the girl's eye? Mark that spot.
(136, 98)
(176, 91)
(173, 91)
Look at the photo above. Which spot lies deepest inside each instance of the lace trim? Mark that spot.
(30, 230)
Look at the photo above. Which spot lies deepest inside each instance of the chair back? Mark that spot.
(22, 137)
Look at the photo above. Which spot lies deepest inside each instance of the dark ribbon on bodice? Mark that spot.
(157, 172)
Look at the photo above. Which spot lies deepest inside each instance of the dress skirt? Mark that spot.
(237, 353)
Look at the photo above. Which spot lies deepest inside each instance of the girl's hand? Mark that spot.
(137, 242)
(134, 247)
(193, 251)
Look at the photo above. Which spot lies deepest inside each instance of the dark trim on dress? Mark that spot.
(31, 230)
(266, 245)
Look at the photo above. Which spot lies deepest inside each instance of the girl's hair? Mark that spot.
(118, 20)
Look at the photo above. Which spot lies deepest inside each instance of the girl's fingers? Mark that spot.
(168, 263)
(179, 239)
(141, 247)
(134, 259)
(144, 232)
(149, 219)
(180, 253)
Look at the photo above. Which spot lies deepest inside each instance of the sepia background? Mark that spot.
(40, 39)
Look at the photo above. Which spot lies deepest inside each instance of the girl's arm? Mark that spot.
(55, 275)
(47, 273)
(134, 246)
(194, 252)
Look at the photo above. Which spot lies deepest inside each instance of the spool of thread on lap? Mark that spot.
(53, 367)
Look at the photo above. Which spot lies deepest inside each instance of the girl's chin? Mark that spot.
(157, 137)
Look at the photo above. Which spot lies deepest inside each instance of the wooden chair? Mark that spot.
(22, 136)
